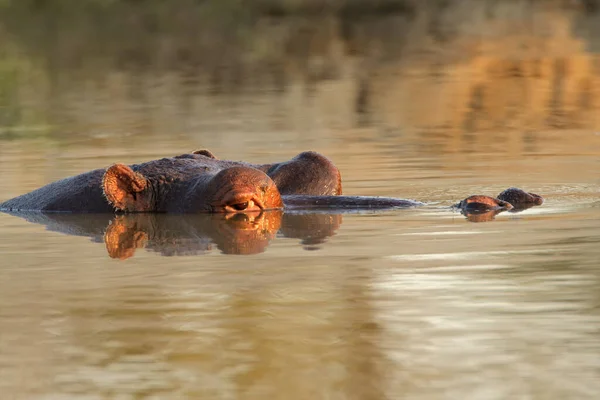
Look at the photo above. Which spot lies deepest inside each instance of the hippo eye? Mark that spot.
(240, 206)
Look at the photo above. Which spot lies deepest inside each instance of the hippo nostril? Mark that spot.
(240, 206)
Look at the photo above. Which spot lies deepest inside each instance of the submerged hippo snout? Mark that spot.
(242, 189)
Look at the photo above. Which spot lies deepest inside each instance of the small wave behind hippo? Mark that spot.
(200, 183)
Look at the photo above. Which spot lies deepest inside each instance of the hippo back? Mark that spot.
(81, 193)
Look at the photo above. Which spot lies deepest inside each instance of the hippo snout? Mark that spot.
(242, 189)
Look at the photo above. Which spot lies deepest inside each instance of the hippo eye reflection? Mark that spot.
(241, 206)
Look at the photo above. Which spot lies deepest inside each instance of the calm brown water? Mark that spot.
(417, 303)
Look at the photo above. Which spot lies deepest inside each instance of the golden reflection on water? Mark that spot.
(416, 303)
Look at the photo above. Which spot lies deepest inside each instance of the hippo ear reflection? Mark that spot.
(123, 237)
(243, 234)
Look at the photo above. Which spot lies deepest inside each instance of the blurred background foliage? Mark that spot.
(51, 49)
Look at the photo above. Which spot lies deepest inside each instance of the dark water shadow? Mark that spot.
(181, 235)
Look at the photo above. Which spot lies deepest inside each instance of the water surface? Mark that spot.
(417, 303)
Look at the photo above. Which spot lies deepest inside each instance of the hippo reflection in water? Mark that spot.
(185, 234)
(200, 183)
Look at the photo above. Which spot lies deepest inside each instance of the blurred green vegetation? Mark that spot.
(46, 45)
(19, 76)
(209, 33)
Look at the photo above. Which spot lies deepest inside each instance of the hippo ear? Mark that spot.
(121, 185)
(205, 152)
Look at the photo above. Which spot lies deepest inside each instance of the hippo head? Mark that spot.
(520, 199)
(230, 190)
(236, 189)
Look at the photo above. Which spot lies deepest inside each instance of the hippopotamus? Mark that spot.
(200, 183)
(188, 183)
